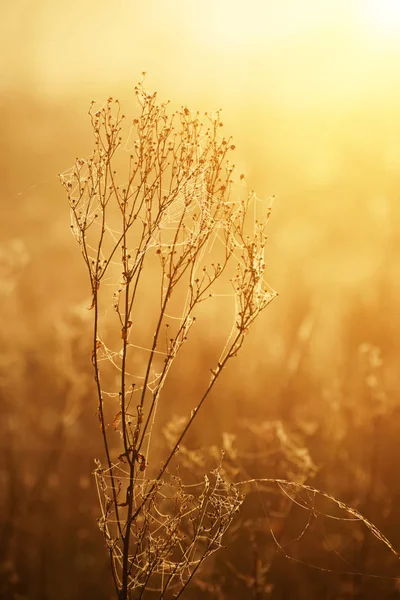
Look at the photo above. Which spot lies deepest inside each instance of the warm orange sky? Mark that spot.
(310, 90)
(298, 51)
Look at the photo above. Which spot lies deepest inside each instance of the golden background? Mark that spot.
(310, 91)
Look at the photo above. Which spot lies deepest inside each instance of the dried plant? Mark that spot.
(157, 243)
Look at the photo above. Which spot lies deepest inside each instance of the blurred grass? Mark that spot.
(333, 255)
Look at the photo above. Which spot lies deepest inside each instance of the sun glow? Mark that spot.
(233, 25)
(382, 16)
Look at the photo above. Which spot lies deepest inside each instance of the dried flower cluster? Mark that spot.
(170, 221)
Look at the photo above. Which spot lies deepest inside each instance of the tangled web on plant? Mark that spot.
(177, 527)
(312, 502)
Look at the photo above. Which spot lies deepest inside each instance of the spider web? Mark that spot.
(178, 528)
(306, 498)
(191, 206)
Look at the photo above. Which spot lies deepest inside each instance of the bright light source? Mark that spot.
(382, 16)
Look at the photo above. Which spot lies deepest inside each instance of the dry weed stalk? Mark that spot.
(160, 226)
